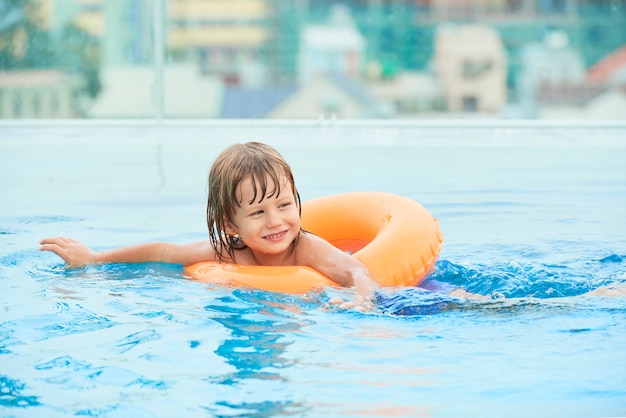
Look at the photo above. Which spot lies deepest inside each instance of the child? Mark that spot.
(253, 215)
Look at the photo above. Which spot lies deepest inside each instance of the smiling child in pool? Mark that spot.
(253, 213)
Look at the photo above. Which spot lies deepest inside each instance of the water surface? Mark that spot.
(533, 218)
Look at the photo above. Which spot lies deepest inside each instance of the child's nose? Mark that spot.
(273, 218)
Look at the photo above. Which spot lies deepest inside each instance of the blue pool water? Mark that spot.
(533, 218)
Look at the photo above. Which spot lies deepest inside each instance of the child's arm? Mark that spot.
(76, 254)
(462, 293)
(338, 266)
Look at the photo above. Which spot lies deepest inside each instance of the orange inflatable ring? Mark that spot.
(395, 237)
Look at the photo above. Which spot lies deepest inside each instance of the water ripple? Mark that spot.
(47, 219)
(81, 321)
(11, 394)
(91, 377)
(133, 340)
(515, 279)
(412, 301)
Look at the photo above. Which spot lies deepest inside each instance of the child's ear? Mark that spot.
(229, 228)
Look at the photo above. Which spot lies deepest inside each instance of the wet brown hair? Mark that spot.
(259, 162)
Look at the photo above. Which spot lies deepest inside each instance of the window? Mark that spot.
(470, 104)
(476, 69)
(17, 105)
(36, 104)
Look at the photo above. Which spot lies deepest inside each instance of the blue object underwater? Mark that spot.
(410, 301)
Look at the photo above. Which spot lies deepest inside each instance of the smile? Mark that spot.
(275, 237)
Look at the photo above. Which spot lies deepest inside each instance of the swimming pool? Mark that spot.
(532, 216)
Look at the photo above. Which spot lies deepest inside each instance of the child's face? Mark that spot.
(271, 223)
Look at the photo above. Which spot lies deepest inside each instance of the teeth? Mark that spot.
(274, 236)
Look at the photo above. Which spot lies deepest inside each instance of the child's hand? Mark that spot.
(364, 297)
(74, 253)
(359, 304)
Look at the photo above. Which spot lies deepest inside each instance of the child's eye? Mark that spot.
(256, 213)
(284, 204)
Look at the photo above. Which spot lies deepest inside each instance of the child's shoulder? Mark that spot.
(244, 257)
(308, 238)
(309, 247)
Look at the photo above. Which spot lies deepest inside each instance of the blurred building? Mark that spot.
(334, 47)
(400, 33)
(124, 27)
(330, 96)
(35, 94)
(409, 94)
(610, 70)
(554, 82)
(129, 93)
(551, 73)
(471, 65)
(394, 48)
(218, 35)
(610, 74)
(330, 67)
(224, 37)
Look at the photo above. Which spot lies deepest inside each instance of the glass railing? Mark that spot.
(328, 60)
